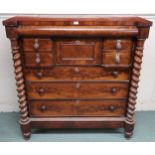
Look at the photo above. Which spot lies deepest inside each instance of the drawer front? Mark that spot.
(115, 58)
(76, 90)
(117, 52)
(77, 108)
(124, 44)
(38, 59)
(78, 51)
(39, 44)
(75, 73)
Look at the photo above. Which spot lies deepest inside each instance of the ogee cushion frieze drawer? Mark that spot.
(77, 72)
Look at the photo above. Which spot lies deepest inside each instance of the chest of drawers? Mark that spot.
(77, 72)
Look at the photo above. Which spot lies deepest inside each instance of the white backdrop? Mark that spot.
(78, 6)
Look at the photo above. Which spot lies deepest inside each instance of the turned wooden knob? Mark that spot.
(77, 102)
(76, 69)
(118, 45)
(77, 42)
(77, 85)
(36, 44)
(117, 58)
(39, 75)
(112, 108)
(114, 90)
(41, 90)
(43, 108)
(115, 73)
(38, 59)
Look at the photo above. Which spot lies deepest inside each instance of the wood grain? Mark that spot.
(45, 44)
(76, 90)
(46, 59)
(77, 72)
(81, 51)
(77, 108)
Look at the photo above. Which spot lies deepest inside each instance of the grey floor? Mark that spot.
(144, 131)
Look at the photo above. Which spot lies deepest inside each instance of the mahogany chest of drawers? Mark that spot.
(77, 72)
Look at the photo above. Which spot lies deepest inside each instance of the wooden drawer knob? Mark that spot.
(39, 75)
(77, 102)
(77, 42)
(76, 69)
(36, 44)
(115, 73)
(38, 59)
(117, 57)
(77, 86)
(43, 108)
(112, 108)
(118, 45)
(41, 90)
(114, 90)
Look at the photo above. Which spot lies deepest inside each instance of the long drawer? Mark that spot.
(75, 73)
(61, 90)
(77, 108)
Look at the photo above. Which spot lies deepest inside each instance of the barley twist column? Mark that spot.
(24, 120)
(129, 123)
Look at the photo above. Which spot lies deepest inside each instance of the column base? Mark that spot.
(25, 128)
(129, 127)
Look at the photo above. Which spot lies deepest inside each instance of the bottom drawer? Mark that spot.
(77, 108)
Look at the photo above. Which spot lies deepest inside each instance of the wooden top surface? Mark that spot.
(84, 19)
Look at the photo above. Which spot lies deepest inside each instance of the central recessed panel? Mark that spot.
(78, 51)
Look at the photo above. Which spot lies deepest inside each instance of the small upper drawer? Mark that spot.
(117, 52)
(118, 59)
(38, 59)
(37, 44)
(120, 44)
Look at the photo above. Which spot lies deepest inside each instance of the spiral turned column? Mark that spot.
(129, 123)
(24, 120)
